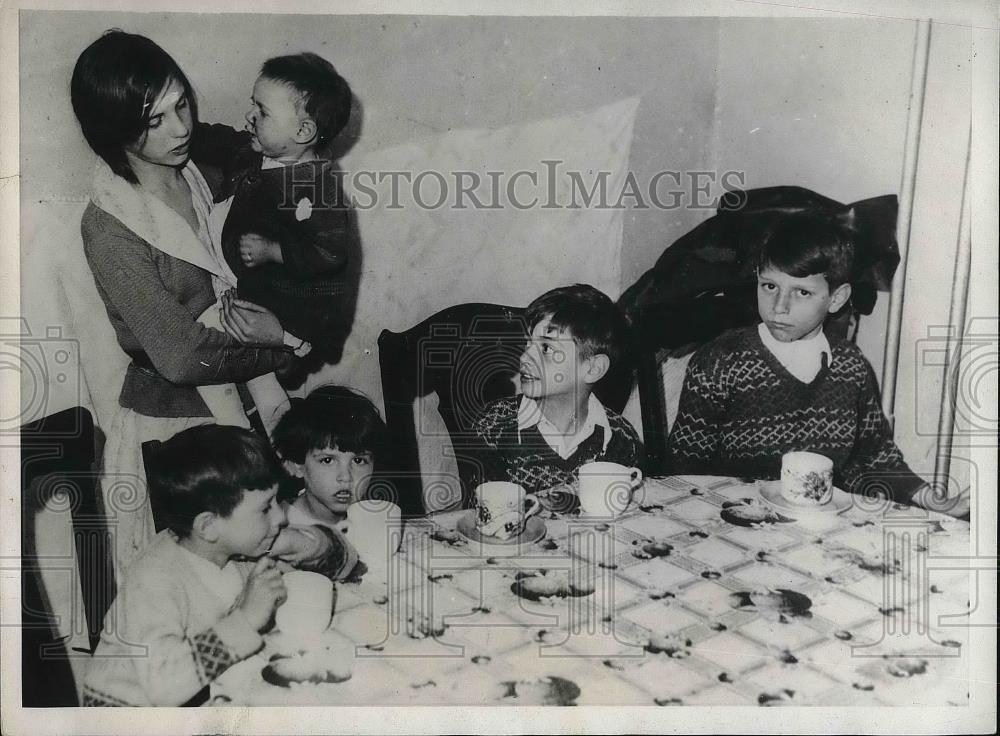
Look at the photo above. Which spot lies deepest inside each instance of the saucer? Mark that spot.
(534, 529)
(771, 492)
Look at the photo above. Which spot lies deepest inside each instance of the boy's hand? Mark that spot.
(264, 591)
(256, 250)
(299, 544)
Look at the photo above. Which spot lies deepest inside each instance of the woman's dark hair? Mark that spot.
(330, 417)
(808, 245)
(115, 82)
(588, 314)
(325, 95)
(207, 468)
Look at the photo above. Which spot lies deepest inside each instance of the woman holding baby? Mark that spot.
(146, 240)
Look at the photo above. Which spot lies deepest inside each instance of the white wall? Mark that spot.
(816, 103)
(413, 77)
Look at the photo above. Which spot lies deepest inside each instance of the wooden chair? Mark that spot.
(677, 328)
(467, 355)
(67, 583)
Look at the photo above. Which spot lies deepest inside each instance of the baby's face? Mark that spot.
(335, 478)
(273, 119)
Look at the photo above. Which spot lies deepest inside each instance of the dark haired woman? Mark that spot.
(145, 236)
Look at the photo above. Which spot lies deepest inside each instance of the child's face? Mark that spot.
(795, 307)
(550, 364)
(335, 478)
(252, 526)
(273, 120)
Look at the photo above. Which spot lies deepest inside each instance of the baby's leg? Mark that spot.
(222, 399)
(270, 399)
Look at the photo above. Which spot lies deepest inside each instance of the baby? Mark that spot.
(283, 238)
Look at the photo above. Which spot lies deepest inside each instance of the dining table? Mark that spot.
(701, 592)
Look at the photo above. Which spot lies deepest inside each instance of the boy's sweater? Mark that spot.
(527, 459)
(741, 410)
(173, 629)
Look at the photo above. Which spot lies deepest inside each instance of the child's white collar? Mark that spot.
(802, 358)
(529, 415)
(277, 163)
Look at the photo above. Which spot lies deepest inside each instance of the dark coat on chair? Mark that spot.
(718, 253)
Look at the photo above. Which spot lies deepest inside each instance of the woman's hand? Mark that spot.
(250, 323)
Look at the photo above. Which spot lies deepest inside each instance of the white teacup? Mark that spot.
(501, 508)
(374, 528)
(306, 612)
(606, 489)
(806, 477)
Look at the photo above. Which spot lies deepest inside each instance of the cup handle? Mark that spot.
(535, 505)
(636, 478)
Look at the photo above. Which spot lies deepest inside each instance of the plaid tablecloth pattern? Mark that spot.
(688, 598)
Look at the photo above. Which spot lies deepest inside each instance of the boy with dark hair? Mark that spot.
(332, 440)
(196, 600)
(540, 439)
(755, 393)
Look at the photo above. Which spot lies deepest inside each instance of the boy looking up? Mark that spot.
(541, 438)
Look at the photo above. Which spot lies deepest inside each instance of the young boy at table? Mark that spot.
(755, 393)
(281, 229)
(197, 598)
(330, 440)
(541, 438)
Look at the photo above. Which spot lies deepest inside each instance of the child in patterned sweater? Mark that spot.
(755, 393)
(541, 438)
(197, 599)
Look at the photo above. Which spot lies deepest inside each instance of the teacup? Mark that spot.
(307, 610)
(502, 508)
(806, 477)
(606, 489)
(374, 528)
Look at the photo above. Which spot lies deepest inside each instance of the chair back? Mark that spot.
(677, 328)
(468, 356)
(67, 584)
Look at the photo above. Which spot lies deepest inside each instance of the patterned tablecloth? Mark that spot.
(698, 594)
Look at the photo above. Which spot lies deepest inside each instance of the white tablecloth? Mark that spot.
(678, 601)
